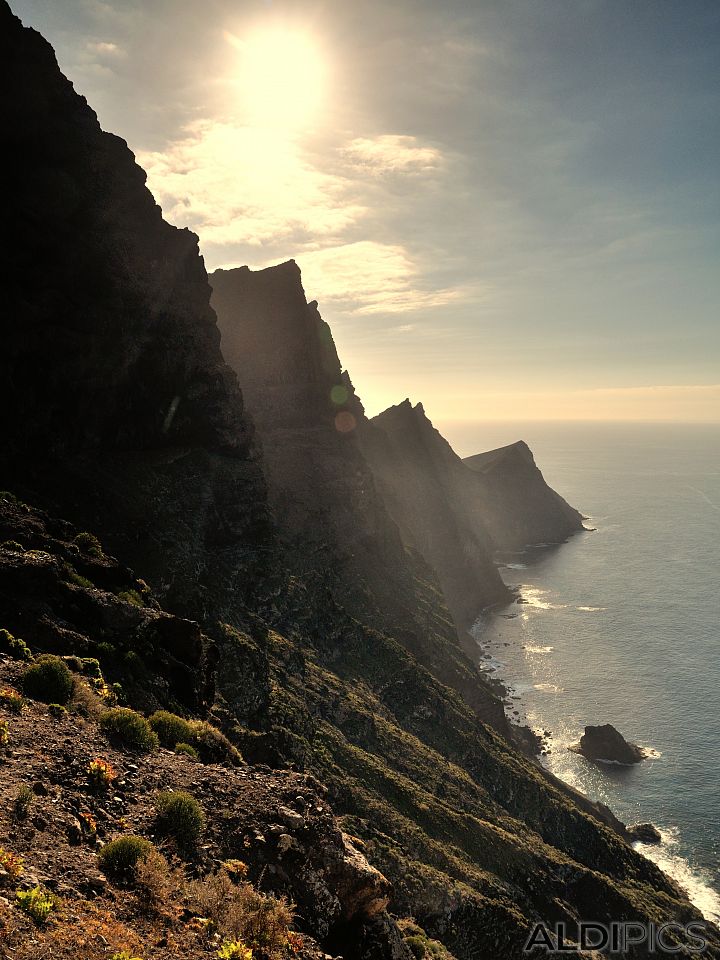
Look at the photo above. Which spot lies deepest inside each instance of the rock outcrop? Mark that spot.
(459, 514)
(514, 502)
(321, 490)
(422, 481)
(333, 520)
(116, 400)
(645, 833)
(605, 744)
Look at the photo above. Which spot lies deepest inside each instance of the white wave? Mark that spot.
(694, 881)
(548, 688)
(516, 566)
(533, 649)
(591, 609)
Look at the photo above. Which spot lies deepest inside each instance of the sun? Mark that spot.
(281, 75)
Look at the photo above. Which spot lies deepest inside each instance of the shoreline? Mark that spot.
(702, 890)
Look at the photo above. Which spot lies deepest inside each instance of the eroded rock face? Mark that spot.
(331, 515)
(321, 490)
(111, 340)
(516, 505)
(421, 478)
(116, 400)
(606, 744)
(460, 513)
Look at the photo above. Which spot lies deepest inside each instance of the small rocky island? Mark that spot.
(605, 744)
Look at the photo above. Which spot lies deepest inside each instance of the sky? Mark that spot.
(506, 209)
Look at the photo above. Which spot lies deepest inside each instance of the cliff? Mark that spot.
(459, 514)
(127, 438)
(332, 520)
(514, 502)
(119, 409)
(420, 477)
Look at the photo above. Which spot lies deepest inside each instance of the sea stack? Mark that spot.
(605, 744)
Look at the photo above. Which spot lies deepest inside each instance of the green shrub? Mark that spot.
(37, 903)
(106, 651)
(119, 858)
(171, 728)
(57, 711)
(48, 680)
(88, 544)
(23, 801)
(130, 728)
(234, 950)
(14, 546)
(179, 815)
(187, 750)
(17, 648)
(4, 733)
(11, 700)
(417, 947)
(131, 596)
(212, 745)
(77, 578)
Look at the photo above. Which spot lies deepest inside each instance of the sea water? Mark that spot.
(622, 625)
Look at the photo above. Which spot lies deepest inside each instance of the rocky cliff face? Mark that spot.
(332, 520)
(111, 341)
(115, 394)
(321, 490)
(457, 513)
(421, 477)
(514, 502)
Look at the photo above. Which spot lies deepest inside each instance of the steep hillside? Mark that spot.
(332, 522)
(514, 502)
(459, 514)
(421, 478)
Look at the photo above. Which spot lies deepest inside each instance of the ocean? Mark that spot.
(622, 625)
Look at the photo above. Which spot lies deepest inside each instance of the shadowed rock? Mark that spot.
(605, 744)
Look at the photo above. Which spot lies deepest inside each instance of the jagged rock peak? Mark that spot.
(114, 343)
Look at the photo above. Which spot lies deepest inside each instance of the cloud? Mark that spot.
(105, 48)
(391, 154)
(248, 185)
(256, 187)
(369, 277)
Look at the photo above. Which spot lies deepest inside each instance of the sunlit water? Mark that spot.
(622, 626)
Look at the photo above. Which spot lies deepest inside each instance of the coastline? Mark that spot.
(701, 889)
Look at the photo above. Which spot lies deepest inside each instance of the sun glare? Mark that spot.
(282, 76)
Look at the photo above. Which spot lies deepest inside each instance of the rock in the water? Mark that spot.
(605, 744)
(645, 833)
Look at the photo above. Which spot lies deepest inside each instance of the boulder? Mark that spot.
(605, 744)
(645, 833)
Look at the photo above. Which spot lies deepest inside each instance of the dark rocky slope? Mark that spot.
(332, 520)
(477, 841)
(117, 403)
(422, 482)
(516, 505)
(459, 518)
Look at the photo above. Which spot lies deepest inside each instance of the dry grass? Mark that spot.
(159, 885)
(89, 933)
(240, 912)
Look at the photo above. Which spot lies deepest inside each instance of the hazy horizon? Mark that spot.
(505, 208)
